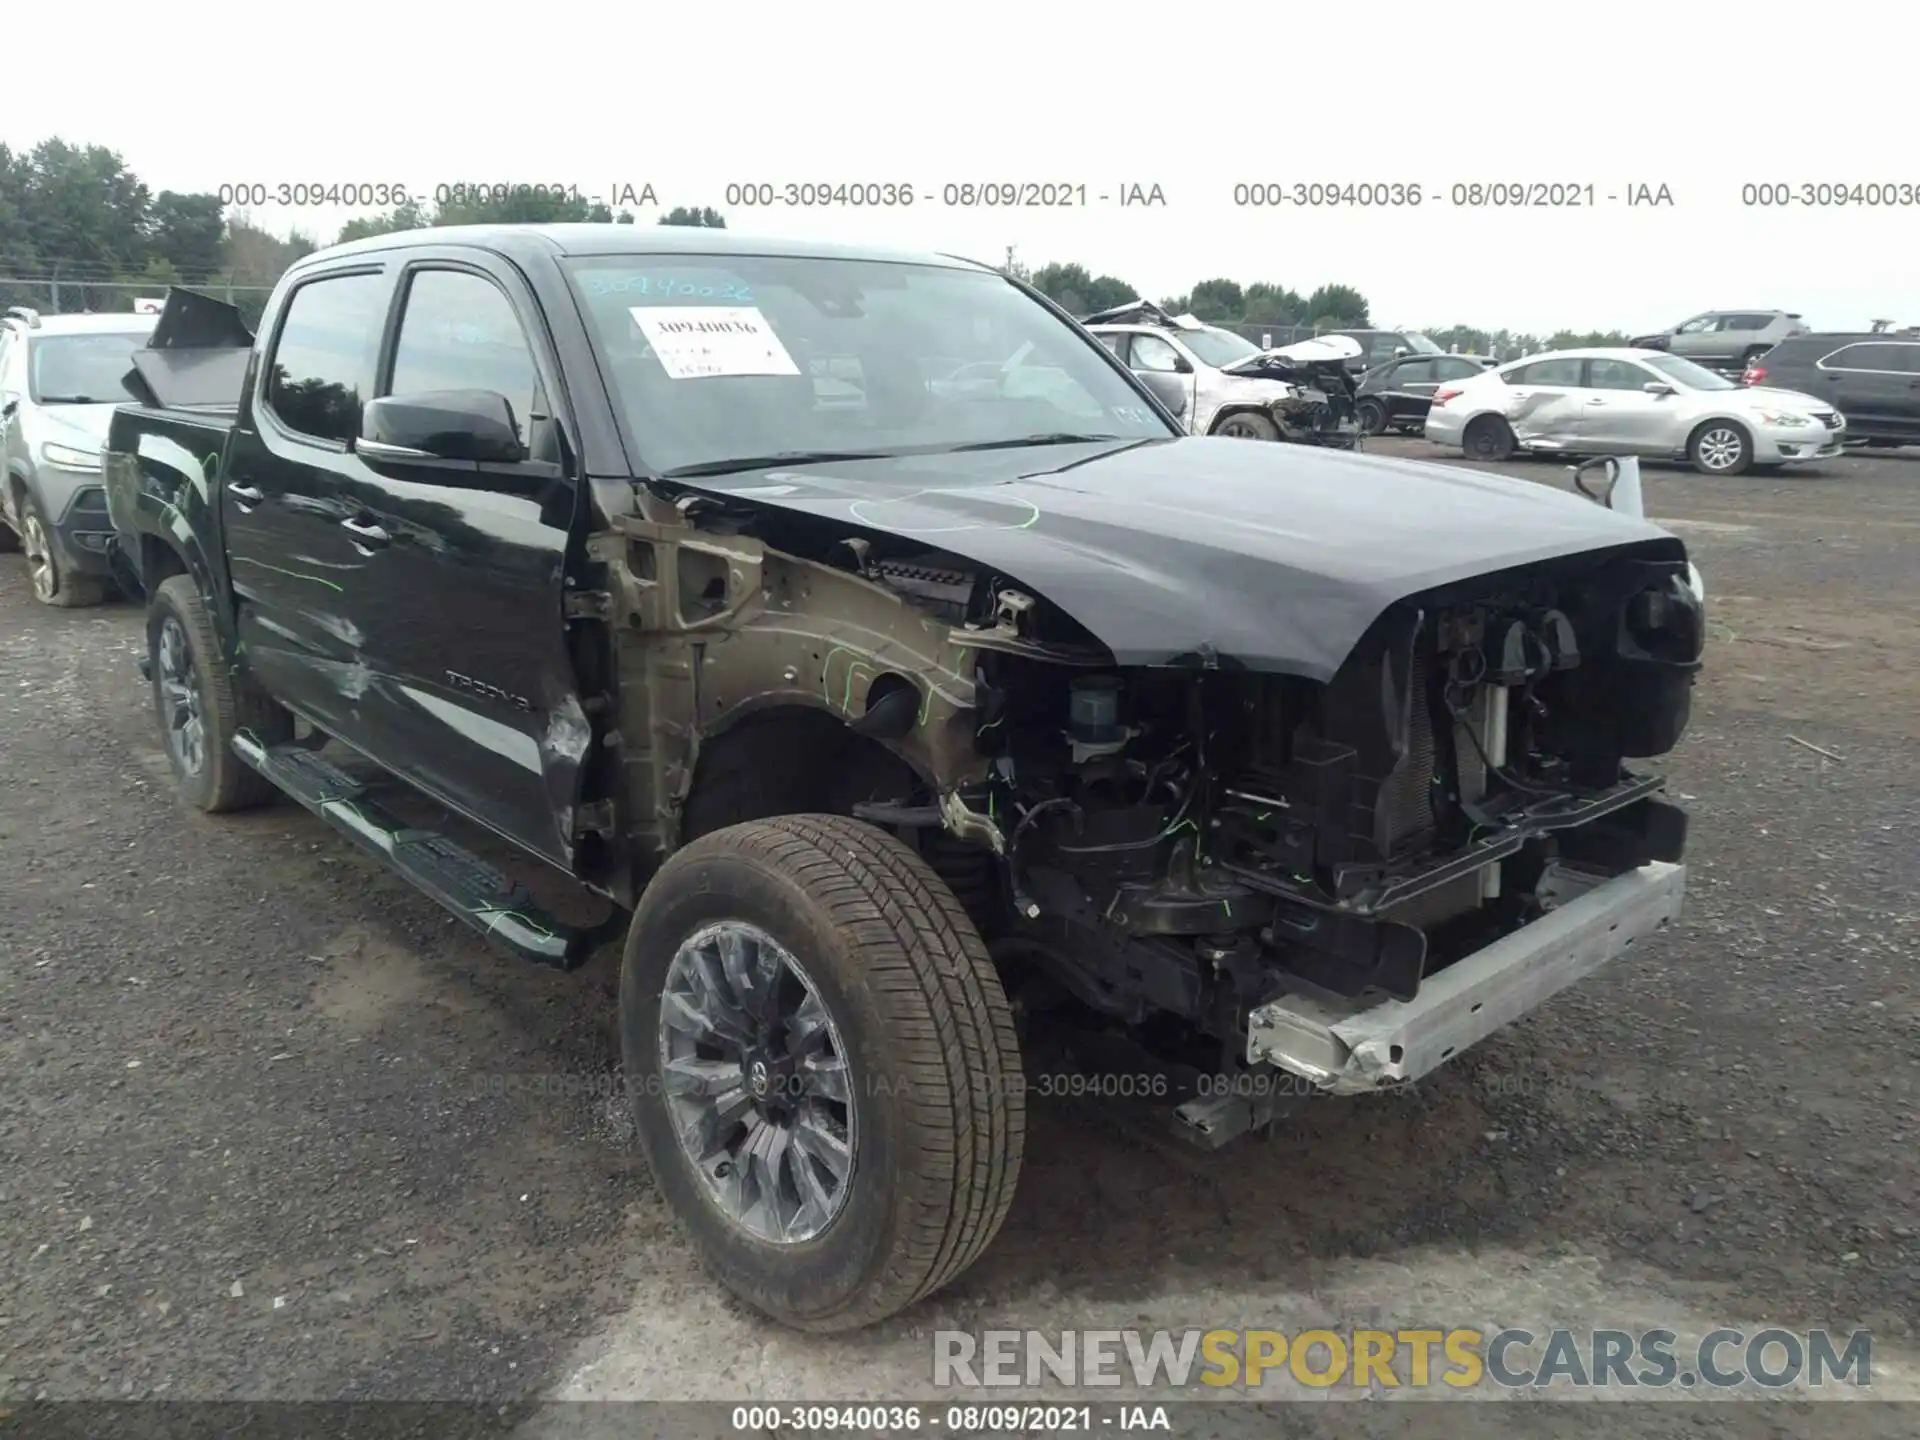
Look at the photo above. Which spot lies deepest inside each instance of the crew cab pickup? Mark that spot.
(883, 711)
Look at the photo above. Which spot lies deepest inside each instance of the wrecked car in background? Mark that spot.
(910, 728)
(1304, 392)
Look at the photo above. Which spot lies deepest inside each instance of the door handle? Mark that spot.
(365, 531)
(245, 494)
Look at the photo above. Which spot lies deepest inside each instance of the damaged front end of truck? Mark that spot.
(1369, 813)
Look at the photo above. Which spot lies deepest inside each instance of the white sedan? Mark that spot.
(1631, 402)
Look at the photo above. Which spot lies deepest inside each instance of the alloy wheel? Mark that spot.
(1720, 449)
(179, 685)
(33, 541)
(756, 1083)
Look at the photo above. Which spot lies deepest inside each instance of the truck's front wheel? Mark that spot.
(201, 705)
(822, 1066)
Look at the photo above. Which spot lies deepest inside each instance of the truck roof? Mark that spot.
(555, 241)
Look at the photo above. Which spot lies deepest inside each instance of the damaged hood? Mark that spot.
(1278, 557)
(1322, 350)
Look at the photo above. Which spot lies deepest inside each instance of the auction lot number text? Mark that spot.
(1821, 194)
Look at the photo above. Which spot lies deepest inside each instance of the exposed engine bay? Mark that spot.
(1323, 408)
(1177, 845)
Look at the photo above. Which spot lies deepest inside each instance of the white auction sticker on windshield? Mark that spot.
(694, 341)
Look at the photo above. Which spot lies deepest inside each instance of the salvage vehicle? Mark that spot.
(1632, 402)
(893, 734)
(59, 384)
(1302, 392)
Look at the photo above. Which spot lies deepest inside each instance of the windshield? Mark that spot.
(1685, 372)
(1420, 344)
(82, 369)
(1218, 347)
(713, 358)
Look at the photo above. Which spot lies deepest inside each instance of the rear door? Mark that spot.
(301, 585)
(1544, 400)
(1410, 390)
(1869, 383)
(478, 704)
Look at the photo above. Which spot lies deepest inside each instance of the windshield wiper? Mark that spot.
(70, 400)
(1056, 437)
(767, 462)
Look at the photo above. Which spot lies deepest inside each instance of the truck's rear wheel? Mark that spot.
(201, 705)
(822, 1066)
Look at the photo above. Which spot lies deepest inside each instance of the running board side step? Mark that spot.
(471, 890)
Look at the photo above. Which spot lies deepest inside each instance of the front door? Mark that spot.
(1618, 416)
(1152, 355)
(479, 705)
(300, 581)
(1696, 338)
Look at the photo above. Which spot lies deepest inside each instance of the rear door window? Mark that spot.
(1455, 367)
(1550, 374)
(322, 368)
(1876, 357)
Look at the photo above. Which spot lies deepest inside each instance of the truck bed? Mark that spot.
(160, 466)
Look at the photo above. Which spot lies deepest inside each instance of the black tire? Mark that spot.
(51, 583)
(937, 1112)
(1247, 425)
(9, 541)
(1372, 417)
(1488, 437)
(221, 781)
(1720, 447)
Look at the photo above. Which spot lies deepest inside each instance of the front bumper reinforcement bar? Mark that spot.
(1350, 1047)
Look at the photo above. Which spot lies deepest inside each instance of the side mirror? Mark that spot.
(1169, 390)
(1181, 366)
(1400, 350)
(1657, 387)
(473, 425)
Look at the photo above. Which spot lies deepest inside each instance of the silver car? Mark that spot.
(1631, 402)
(1726, 338)
(59, 383)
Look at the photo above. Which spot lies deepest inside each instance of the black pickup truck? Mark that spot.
(905, 721)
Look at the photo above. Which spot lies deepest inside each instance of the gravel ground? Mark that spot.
(272, 1127)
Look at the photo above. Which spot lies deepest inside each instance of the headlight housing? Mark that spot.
(69, 458)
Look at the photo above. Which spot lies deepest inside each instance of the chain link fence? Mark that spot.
(55, 295)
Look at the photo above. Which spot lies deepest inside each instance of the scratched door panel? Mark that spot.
(474, 700)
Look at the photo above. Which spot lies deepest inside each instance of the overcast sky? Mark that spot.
(1701, 97)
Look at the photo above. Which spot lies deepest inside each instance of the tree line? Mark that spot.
(76, 222)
